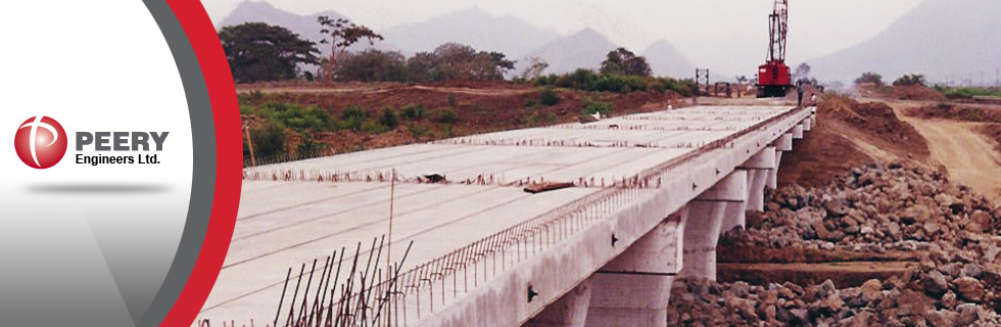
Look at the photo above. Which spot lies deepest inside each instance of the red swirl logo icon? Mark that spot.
(40, 142)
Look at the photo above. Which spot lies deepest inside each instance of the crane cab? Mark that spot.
(774, 80)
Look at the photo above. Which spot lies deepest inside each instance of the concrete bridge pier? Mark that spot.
(634, 288)
(782, 144)
(569, 311)
(759, 169)
(724, 202)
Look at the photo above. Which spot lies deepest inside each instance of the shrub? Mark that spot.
(447, 130)
(548, 97)
(269, 140)
(353, 123)
(388, 118)
(587, 80)
(447, 116)
(354, 112)
(254, 96)
(451, 99)
(592, 107)
(419, 130)
(311, 118)
(246, 109)
(310, 147)
(910, 80)
(414, 111)
(530, 103)
(371, 127)
(293, 116)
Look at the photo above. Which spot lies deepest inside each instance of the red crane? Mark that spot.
(773, 77)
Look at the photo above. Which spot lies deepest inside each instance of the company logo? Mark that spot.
(40, 142)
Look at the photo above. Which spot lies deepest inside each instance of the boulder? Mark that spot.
(948, 300)
(934, 284)
(969, 289)
(912, 303)
(942, 318)
(968, 314)
(982, 219)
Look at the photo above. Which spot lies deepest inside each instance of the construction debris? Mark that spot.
(547, 186)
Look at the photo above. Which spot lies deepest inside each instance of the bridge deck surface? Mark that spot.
(288, 217)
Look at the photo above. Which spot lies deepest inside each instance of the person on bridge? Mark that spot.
(799, 90)
(813, 99)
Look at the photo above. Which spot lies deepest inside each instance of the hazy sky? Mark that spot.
(708, 32)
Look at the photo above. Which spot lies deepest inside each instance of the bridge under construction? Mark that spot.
(567, 225)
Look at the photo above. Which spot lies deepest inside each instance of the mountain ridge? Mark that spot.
(942, 39)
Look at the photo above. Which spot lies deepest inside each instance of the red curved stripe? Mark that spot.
(229, 157)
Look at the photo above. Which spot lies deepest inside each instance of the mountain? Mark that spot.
(665, 60)
(507, 34)
(943, 39)
(584, 49)
(305, 26)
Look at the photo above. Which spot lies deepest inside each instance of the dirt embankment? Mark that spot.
(849, 134)
(993, 132)
(910, 92)
(958, 112)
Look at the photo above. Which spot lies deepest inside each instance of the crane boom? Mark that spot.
(779, 29)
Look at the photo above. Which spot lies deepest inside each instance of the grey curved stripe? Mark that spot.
(204, 161)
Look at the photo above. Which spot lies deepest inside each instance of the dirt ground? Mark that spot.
(962, 148)
(843, 274)
(849, 134)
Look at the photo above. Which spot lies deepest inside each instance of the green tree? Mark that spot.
(262, 52)
(802, 74)
(458, 61)
(372, 66)
(624, 62)
(535, 68)
(420, 67)
(340, 34)
(870, 77)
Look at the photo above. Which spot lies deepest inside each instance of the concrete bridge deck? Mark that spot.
(482, 245)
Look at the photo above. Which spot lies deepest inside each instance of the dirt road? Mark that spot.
(967, 155)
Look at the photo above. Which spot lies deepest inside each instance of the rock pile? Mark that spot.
(875, 208)
(942, 301)
(957, 281)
